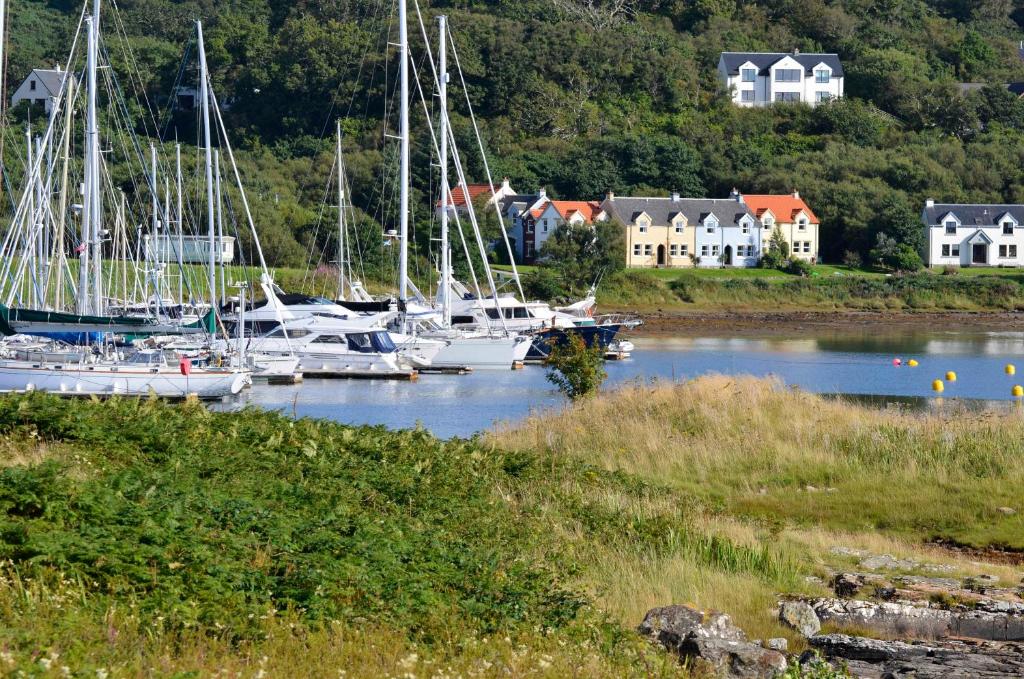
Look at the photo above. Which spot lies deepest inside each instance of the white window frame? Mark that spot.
(748, 96)
(787, 97)
(792, 75)
(648, 249)
(715, 251)
(637, 250)
(822, 76)
(751, 72)
(801, 225)
(643, 226)
(684, 250)
(820, 96)
(704, 250)
(680, 227)
(1007, 227)
(948, 224)
(673, 250)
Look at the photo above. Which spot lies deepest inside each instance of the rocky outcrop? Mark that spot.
(799, 616)
(713, 638)
(921, 621)
(878, 659)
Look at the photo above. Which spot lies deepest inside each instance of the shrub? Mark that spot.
(576, 369)
(798, 267)
(852, 259)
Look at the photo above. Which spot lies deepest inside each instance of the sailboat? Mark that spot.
(97, 370)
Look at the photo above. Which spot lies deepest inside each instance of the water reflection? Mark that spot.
(855, 364)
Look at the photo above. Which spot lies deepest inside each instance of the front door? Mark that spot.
(661, 255)
(979, 253)
(727, 256)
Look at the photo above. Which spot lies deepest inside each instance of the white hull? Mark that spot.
(113, 380)
(483, 352)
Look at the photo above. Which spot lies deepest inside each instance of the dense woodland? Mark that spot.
(583, 96)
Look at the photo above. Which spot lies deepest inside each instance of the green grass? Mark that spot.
(759, 290)
(142, 538)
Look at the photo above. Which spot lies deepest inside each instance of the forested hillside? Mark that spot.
(584, 96)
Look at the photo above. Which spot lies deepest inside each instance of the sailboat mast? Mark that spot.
(341, 222)
(153, 252)
(204, 94)
(180, 220)
(90, 232)
(220, 231)
(97, 218)
(442, 88)
(403, 173)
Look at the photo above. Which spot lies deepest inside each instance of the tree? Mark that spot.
(583, 253)
(576, 369)
(891, 254)
(777, 254)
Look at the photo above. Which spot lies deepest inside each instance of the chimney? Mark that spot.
(929, 203)
(675, 196)
(796, 194)
(505, 185)
(735, 195)
(796, 51)
(610, 196)
(542, 192)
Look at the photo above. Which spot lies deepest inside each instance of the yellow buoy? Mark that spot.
(912, 363)
(1017, 391)
(951, 376)
(938, 386)
(1010, 369)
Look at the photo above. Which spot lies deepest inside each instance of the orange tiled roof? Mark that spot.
(566, 208)
(459, 198)
(785, 207)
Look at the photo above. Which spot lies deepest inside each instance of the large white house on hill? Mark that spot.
(763, 78)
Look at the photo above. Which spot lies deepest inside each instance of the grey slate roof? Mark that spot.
(977, 214)
(51, 80)
(662, 210)
(765, 60)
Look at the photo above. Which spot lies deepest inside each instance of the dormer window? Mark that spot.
(711, 224)
(679, 227)
(745, 227)
(801, 225)
(951, 227)
(822, 75)
(643, 226)
(768, 222)
(749, 75)
(1007, 228)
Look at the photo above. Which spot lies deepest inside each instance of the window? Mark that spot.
(1007, 228)
(807, 247)
(1008, 251)
(747, 96)
(643, 227)
(648, 249)
(714, 250)
(802, 226)
(673, 250)
(679, 227)
(684, 250)
(945, 250)
(822, 75)
(787, 75)
(749, 75)
(949, 250)
(822, 96)
(951, 227)
(295, 333)
(711, 224)
(787, 96)
(768, 222)
(636, 250)
(741, 250)
(544, 226)
(745, 227)
(32, 85)
(703, 250)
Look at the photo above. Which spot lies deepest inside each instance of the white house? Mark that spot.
(40, 87)
(763, 78)
(973, 234)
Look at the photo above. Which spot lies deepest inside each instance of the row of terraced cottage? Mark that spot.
(666, 232)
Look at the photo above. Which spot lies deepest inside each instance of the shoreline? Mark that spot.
(662, 322)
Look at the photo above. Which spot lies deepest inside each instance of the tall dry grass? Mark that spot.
(752, 447)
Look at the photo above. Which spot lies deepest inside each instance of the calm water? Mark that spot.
(835, 363)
